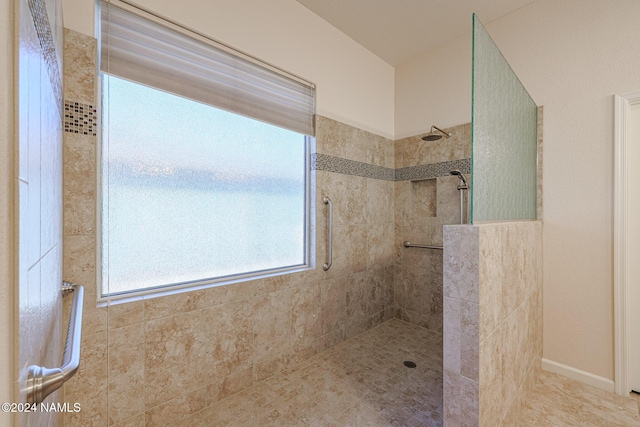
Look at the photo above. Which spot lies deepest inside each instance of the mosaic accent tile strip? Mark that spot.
(80, 118)
(43, 29)
(324, 162)
(433, 170)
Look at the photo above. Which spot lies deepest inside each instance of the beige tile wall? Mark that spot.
(40, 338)
(422, 208)
(158, 360)
(492, 320)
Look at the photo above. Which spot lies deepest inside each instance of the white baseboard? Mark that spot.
(579, 375)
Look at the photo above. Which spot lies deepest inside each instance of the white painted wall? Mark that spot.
(7, 258)
(572, 56)
(434, 89)
(353, 85)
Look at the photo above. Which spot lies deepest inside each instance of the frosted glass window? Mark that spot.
(504, 137)
(195, 194)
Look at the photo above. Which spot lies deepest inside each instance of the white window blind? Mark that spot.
(144, 48)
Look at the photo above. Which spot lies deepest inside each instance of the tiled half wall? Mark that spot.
(492, 321)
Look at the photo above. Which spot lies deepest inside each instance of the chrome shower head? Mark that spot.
(459, 174)
(434, 136)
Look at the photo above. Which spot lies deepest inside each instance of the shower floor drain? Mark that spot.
(410, 364)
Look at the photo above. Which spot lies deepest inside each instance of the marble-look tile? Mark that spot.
(345, 191)
(469, 261)
(350, 253)
(126, 373)
(561, 402)
(423, 197)
(458, 146)
(332, 339)
(341, 140)
(380, 150)
(79, 267)
(355, 303)
(135, 421)
(359, 382)
(286, 327)
(79, 260)
(382, 277)
(460, 259)
(178, 409)
(490, 380)
(121, 315)
(379, 245)
(89, 386)
(80, 184)
(513, 265)
(451, 261)
(333, 300)
(448, 204)
(469, 342)
(491, 280)
(174, 304)
(379, 197)
(80, 67)
(505, 325)
(461, 400)
(175, 345)
(402, 202)
(413, 152)
(452, 334)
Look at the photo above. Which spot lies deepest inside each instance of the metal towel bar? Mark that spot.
(327, 265)
(411, 245)
(44, 381)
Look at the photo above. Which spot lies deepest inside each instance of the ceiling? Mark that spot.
(396, 30)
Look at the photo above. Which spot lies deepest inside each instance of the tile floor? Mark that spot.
(360, 382)
(560, 402)
(363, 383)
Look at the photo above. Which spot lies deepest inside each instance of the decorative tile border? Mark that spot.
(80, 118)
(324, 162)
(43, 30)
(433, 170)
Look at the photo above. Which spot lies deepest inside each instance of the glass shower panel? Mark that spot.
(504, 137)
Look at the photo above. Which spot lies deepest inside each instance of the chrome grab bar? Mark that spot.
(327, 201)
(411, 245)
(42, 381)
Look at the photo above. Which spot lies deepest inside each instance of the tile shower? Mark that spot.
(160, 361)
